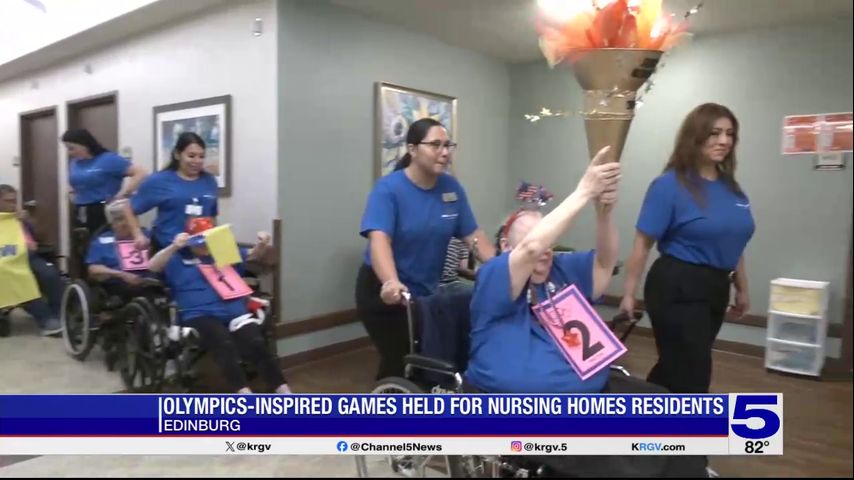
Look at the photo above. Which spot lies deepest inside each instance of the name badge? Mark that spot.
(227, 283)
(583, 338)
(449, 197)
(130, 258)
(106, 240)
(193, 210)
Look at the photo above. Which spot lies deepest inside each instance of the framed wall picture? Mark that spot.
(210, 118)
(397, 107)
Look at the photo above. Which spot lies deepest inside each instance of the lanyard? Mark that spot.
(550, 289)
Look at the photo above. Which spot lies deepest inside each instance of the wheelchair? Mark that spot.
(177, 349)
(141, 333)
(124, 322)
(425, 372)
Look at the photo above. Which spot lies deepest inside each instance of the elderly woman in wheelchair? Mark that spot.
(215, 302)
(117, 298)
(511, 352)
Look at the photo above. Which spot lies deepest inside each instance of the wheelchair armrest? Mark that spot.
(428, 363)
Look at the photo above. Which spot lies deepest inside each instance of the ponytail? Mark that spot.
(403, 162)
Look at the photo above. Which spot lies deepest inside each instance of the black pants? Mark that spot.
(609, 466)
(686, 305)
(228, 347)
(386, 324)
(91, 216)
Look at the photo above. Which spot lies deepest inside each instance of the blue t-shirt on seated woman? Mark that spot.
(103, 251)
(420, 223)
(176, 199)
(194, 295)
(714, 234)
(97, 179)
(510, 351)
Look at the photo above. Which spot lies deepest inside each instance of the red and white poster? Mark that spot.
(821, 133)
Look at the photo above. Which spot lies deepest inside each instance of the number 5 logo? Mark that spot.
(748, 407)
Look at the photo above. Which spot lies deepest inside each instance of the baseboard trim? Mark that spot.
(345, 317)
(834, 330)
(316, 324)
(728, 346)
(297, 359)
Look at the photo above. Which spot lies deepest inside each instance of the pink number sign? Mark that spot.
(226, 281)
(130, 258)
(584, 339)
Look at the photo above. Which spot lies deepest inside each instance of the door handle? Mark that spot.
(31, 204)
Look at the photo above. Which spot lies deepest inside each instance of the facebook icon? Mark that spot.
(342, 446)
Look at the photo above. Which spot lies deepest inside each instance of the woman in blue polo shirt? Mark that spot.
(701, 220)
(181, 191)
(410, 217)
(96, 176)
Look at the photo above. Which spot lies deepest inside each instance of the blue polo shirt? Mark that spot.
(714, 234)
(193, 294)
(176, 199)
(102, 251)
(420, 223)
(98, 178)
(510, 351)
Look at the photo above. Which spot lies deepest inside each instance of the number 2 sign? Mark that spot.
(579, 333)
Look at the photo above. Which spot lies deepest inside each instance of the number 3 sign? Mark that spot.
(130, 258)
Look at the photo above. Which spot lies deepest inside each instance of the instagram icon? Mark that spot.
(516, 446)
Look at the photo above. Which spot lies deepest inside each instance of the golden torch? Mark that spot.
(613, 47)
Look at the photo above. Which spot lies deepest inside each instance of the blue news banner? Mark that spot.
(733, 424)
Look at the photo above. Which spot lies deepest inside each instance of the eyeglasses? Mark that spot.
(437, 145)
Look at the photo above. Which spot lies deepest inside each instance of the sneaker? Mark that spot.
(5, 325)
(52, 328)
(711, 473)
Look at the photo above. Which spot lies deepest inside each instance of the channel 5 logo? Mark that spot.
(516, 446)
(756, 416)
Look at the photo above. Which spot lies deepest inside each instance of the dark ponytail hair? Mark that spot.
(416, 133)
(81, 136)
(184, 140)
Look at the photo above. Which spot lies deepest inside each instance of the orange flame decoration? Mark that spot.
(609, 24)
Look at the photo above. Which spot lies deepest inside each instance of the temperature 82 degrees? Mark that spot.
(756, 424)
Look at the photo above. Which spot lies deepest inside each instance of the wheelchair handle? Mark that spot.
(623, 317)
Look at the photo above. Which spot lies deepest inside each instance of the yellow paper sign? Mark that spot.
(222, 245)
(19, 284)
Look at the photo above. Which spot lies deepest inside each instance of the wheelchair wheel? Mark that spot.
(142, 355)
(405, 465)
(76, 320)
(467, 466)
(392, 385)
